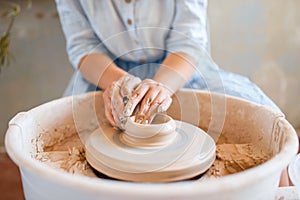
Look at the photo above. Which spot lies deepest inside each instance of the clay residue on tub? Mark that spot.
(233, 158)
(62, 148)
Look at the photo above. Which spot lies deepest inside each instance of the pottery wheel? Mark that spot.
(189, 154)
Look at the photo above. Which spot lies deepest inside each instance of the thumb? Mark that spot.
(129, 85)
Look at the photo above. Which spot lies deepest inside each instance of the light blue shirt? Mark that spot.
(133, 30)
(140, 30)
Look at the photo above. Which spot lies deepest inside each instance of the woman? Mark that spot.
(142, 52)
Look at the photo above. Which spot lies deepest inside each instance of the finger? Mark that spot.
(107, 107)
(109, 116)
(137, 96)
(165, 105)
(117, 105)
(106, 95)
(117, 102)
(135, 99)
(116, 120)
(129, 85)
(153, 108)
(150, 96)
(161, 103)
(116, 117)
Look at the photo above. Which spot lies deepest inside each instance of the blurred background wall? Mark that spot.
(261, 39)
(41, 69)
(256, 38)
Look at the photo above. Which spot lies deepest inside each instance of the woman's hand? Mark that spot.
(152, 97)
(115, 98)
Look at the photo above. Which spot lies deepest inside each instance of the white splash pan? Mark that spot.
(239, 120)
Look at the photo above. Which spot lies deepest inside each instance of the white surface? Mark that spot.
(287, 193)
(294, 172)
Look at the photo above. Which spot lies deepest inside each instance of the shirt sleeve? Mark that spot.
(188, 32)
(80, 37)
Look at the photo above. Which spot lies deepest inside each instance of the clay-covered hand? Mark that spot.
(152, 97)
(116, 97)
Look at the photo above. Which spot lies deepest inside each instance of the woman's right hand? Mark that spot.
(151, 97)
(115, 98)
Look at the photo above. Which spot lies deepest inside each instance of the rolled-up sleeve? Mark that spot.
(80, 37)
(188, 32)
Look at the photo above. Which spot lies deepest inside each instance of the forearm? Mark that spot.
(175, 71)
(100, 70)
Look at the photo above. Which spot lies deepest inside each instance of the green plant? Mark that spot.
(5, 39)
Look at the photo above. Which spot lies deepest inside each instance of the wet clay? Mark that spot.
(233, 158)
(62, 149)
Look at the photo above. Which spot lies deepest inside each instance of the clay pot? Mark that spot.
(159, 133)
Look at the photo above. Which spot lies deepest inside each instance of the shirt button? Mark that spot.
(129, 22)
(127, 1)
(142, 60)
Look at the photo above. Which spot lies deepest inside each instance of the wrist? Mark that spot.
(110, 75)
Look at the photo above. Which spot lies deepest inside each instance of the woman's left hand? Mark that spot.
(152, 97)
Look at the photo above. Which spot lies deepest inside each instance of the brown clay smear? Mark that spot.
(63, 149)
(233, 158)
